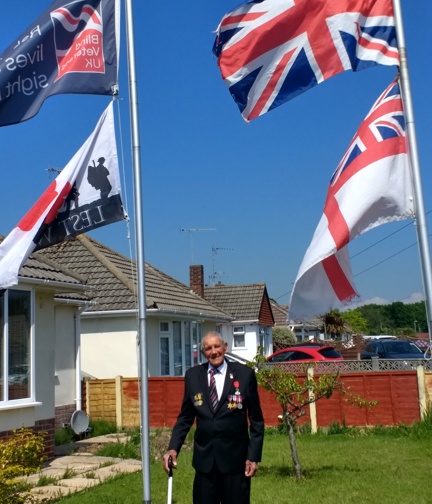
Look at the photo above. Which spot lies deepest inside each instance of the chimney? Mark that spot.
(196, 279)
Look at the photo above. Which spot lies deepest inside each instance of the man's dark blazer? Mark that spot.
(223, 436)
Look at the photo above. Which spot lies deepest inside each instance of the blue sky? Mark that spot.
(260, 186)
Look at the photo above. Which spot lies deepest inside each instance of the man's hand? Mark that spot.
(251, 468)
(173, 455)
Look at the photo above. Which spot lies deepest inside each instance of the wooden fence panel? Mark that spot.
(130, 407)
(165, 398)
(396, 392)
(102, 404)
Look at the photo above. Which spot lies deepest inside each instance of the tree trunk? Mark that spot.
(293, 446)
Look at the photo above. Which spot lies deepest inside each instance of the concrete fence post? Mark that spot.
(422, 391)
(312, 405)
(88, 406)
(375, 363)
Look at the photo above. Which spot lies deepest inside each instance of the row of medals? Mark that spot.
(235, 401)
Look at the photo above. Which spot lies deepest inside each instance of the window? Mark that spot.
(178, 349)
(15, 345)
(280, 357)
(164, 356)
(164, 326)
(329, 353)
(179, 346)
(239, 337)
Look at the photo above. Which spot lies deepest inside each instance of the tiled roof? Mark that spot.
(280, 313)
(111, 278)
(243, 302)
(41, 269)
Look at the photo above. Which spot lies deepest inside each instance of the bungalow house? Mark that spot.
(176, 317)
(251, 322)
(38, 348)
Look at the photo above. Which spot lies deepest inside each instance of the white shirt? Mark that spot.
(219, 377)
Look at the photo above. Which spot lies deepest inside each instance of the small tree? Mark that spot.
(334, 324)
(295, 395)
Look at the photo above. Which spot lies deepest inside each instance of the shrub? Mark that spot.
(20, 455)
(283, 337)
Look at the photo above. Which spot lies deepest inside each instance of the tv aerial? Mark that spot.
(216, 274)
(191, 231)
(53, 171)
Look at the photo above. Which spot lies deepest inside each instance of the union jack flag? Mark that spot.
(270, 51)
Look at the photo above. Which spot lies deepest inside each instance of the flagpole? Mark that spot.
(420, 214)
(139, 233)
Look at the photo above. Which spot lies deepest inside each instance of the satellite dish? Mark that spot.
(79, 422)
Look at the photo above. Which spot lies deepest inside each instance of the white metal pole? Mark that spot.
(420, 215)
(139, 233)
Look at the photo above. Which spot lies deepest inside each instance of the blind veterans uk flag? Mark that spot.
(70, 48)
(372, 185)
(270, 51)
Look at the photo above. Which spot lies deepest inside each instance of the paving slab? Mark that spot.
(85, 469)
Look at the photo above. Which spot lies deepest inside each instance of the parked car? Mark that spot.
(392, 349)
(230, 357)
(305, 354)
(19, 374)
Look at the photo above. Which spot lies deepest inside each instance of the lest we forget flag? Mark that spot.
(372, 185)
(270, 51)
(70, 48)
(86, 195)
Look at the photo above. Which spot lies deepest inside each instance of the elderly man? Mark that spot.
(223, 398)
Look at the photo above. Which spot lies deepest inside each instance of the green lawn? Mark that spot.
(388, 467)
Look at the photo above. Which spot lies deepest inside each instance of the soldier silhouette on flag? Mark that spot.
(97, 177)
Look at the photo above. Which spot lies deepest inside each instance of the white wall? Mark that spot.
(65, 355)
(108, 346)
(44, 354)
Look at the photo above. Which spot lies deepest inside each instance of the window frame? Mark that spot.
(5, 402)
(239, 331)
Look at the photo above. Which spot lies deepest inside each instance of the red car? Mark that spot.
(305, 354)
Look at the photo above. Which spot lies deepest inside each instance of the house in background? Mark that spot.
(307, 330)
(176, 317)
(38, 347)
(280, 314)
(251, 314)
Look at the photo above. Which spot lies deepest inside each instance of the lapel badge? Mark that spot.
(198, 399)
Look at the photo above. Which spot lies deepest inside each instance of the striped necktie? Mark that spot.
(213, 392)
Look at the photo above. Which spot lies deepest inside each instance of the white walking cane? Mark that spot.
(170, 480)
